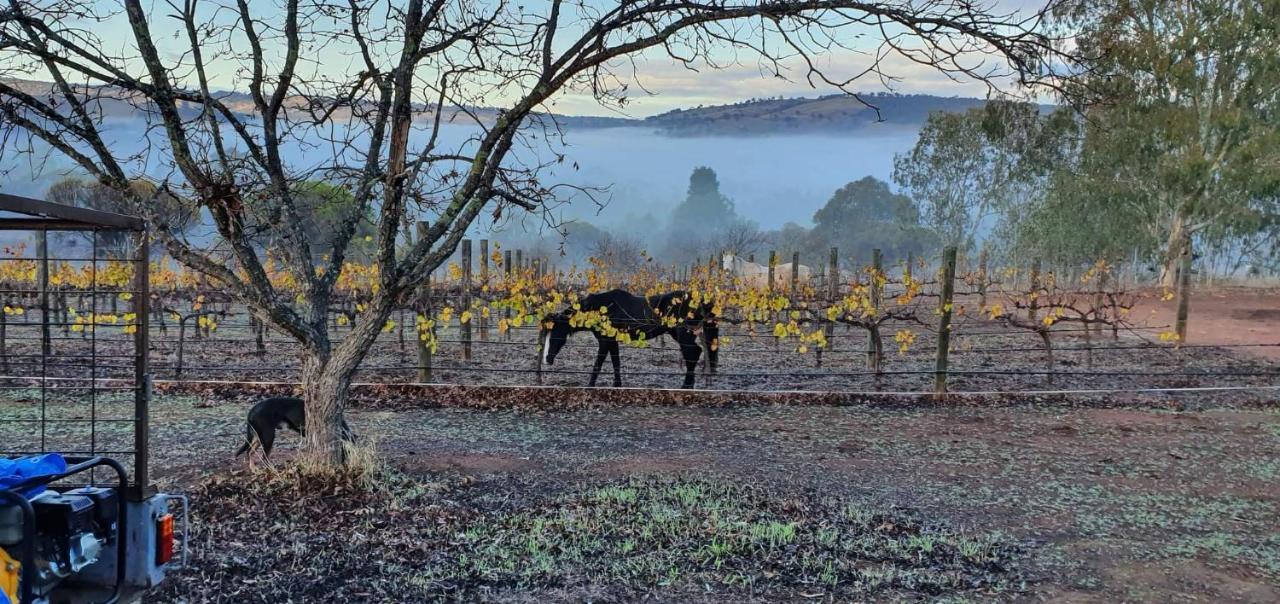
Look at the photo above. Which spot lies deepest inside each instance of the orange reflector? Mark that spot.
(164, 539)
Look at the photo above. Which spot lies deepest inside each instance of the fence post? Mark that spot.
(773, 267)
(833, 294)
(259, 337)
(944, 323)
(424, 296)
(874, 346)
(1184, 292)
(141, 365)
(42, 280)
(1099, 299)
(795, 272)
(484, 286)
(465, 301)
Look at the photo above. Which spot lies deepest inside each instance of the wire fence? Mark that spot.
(868, 330)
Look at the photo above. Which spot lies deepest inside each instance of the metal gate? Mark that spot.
(73, 335)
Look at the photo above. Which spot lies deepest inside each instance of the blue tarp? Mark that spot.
(16, 471)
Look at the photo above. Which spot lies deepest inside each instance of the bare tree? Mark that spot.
(362, 89)
(623, 253)
(742, 238)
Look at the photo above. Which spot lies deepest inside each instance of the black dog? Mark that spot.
(271, 414)
(268, 416)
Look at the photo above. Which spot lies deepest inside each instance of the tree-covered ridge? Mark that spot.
(824, 114)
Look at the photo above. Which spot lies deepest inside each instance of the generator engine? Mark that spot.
(72, 531)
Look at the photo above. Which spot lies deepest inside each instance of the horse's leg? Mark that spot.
(600, 354)
(690, 351)
(617, 364)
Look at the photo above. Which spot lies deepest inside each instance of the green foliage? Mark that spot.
(324, 208)
(706, 222)
(704, 206)
(968, 168)
(865, 215)
(1182, 137)
(177, 214)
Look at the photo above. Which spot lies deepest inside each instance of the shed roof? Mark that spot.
(24, 213)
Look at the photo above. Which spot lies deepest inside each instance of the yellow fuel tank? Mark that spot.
(10, 570)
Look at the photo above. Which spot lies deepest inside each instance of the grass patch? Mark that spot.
(646, 532)
(620, 539)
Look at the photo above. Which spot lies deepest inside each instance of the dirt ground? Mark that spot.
(1225, 315)
(1104, 504)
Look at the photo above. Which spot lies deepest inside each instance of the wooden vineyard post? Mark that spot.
(982, 278)
(1099, 301)
(1184, 292)
(944, 323)
(259, 333)
(542, 336)
(795, 273)
(833, 294)
(506, 312)
(484, 286)
(424, 302)
(773, 267)
(42, 281)
(465, 299)
(713, 274)
(874, 345)
(4, 347)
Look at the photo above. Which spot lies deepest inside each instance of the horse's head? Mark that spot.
(728, 262)
(554, 333)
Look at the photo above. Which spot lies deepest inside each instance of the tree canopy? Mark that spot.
(864, 215)
(1182, 135)
(967, 169)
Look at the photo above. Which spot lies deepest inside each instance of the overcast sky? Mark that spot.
(659, 84)
(668, 85)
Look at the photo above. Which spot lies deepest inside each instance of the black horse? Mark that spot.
(651, 317)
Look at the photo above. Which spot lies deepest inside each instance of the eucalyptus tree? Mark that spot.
(969, 170)
(1183, 114)
(377, 82)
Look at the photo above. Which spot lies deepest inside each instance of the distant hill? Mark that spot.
(834, 113)
(755, 117)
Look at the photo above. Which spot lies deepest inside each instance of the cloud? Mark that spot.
(661, 85)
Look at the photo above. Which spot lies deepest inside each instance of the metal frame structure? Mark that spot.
(56, 364)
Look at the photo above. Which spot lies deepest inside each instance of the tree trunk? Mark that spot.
(326, 388)
(1179, 236)
(327, 374)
